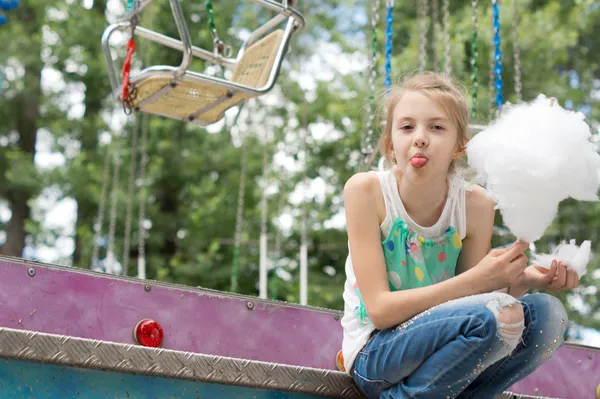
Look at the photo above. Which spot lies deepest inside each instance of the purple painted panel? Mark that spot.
(573, 372)
(97, 306)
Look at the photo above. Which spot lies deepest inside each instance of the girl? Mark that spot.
(429, 313)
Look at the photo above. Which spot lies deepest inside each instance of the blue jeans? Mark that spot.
(460, 349)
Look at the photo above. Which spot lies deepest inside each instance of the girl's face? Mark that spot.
(424, 141)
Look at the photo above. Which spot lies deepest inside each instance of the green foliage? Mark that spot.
(193, 173)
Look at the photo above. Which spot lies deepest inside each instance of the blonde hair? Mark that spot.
(440, 89)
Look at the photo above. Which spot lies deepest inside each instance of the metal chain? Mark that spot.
(447, 52)
(474, 59)
(143, 191)
(389, 44)
(110, 253)
(423, 11)
(368, 148)
(101, 208)
(435, 33)
(130, 195)
(516, 52)
(498, 84)
(237, 239)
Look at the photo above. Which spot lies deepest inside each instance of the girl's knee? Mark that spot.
(510, 319)
(550, 312)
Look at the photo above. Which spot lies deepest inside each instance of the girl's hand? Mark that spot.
(502, 267)
(557, 278)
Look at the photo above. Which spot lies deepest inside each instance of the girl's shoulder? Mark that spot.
(365, 189)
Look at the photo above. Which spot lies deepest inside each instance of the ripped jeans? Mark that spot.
(473, 347)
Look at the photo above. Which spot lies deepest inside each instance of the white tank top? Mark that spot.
(356, 333)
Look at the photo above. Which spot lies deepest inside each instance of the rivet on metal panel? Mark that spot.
(250, 305)
(337, 316)
(147, 287)
(590, 356)
(31, 272)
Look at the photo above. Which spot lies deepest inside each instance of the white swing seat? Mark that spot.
(178, 93)
(203, 99)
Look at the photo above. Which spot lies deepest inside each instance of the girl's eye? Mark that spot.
(438, 127)
(406, 127)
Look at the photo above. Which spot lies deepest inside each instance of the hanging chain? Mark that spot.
(143, 191)
(110, 253)
(474, 59)
(237, 239)
(219, 47)
(516, 52)
(423, 11)
(389, 44)
(368, 147)
(435, 33)
(130, 195)
(101, 208)
(447, 52)
(498, 84)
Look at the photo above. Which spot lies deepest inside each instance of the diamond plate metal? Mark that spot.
(110, 356)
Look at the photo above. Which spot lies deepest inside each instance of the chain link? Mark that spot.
(143, 193)
(368, 147)
(447, 49)
(389, 45)
(101, 207)
(239, 215)
(474, 59)
(435, 33)
(423, 11)
(130, 194)
(516, 52)
(110, 253)
(498, 83)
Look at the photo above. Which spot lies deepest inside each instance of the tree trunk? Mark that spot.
(27, 111)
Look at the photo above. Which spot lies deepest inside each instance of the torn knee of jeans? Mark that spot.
(509, 318)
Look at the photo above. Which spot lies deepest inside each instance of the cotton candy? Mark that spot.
(531, 158)
(574, 257)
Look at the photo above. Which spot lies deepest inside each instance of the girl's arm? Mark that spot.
(362, 198)
(476, 244)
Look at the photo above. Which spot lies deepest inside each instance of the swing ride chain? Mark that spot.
(497, 55)
(516, 53)
(423, 11)
(368, 148)
(474, 57)
(101, 210)
(435, 32)
(130, 187)
(447, 54)
(389, 44)
(143, 191)
(219, 47)
(128, 92)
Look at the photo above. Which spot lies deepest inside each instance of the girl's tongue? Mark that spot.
(418, 162)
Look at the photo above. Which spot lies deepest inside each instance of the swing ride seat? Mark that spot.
(179, 93)
(201, 99)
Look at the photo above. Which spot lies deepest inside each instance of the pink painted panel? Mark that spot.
(79, 303)
(92, 305)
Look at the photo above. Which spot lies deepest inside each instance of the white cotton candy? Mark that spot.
(574, 257)
(531, 158)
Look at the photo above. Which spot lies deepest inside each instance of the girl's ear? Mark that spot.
(461, 149)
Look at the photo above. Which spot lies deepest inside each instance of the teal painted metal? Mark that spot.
(28, 380)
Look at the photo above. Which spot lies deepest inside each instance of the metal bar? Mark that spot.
(178, 45)
(281, 9)
(266, 27)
